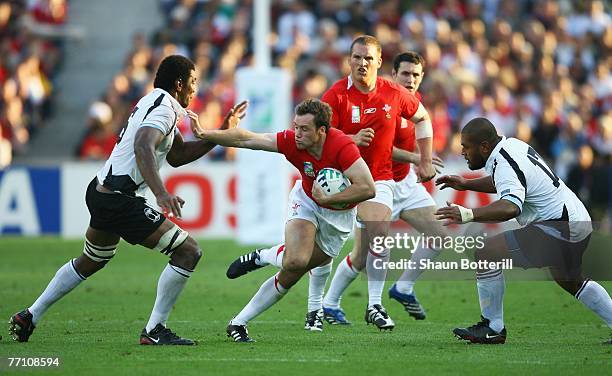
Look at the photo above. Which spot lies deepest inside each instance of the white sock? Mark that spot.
(405, 283)
(594, 296)
(316, 286)
(269, 293)
(272, 256)
(66, 279)
(170, 284)
(376, 276)
(345, 274)
(491, 287)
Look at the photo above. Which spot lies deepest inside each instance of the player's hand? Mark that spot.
(426, 172)
(194, 121)
(450, 213)
(319, 196)
(364, 137)
(452, 181)
(234, 115)
(438, 163)
(170, 204)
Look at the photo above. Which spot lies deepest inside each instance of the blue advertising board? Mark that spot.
(30, 201)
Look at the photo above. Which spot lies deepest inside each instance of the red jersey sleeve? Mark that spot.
(331, 98)
(409, 103)
(347, 155)
(283, 142)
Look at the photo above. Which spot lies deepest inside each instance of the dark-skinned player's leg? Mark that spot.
(491, 288)
(99, 249)
(184, 256)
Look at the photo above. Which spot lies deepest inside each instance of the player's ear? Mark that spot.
(178, 84)
(485, 148)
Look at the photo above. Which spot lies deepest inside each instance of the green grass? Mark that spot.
(95, 329)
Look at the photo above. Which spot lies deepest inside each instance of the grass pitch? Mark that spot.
(95, 329)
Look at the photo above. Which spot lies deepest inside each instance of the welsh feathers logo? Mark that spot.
(309, 169)
(295, 207)
(387, 108)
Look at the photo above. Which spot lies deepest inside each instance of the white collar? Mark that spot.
(350, 82)
(494, 153)
(176, 106)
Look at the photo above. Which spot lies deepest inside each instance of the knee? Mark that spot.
(294, 264)
(482, 254)
(188, 254)
(571, 287)
(357, 261)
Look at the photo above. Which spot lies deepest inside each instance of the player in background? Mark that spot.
(411, 201)
(368, 107)
(315, 231)
(115, 199)
(557, 227)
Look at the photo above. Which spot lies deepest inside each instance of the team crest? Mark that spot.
(309, 170)
(294, 208)
(387, 108)
(152, 215)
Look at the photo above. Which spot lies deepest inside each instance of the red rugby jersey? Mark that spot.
(379, 109)
(339, 152)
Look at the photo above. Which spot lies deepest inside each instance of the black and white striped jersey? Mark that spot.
(522, 177)
(159, 110)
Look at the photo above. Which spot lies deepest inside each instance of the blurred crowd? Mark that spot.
(30, 57)
(539, 69)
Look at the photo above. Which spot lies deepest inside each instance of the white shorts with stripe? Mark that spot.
(333, 226)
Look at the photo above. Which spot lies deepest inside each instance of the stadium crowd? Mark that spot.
(30, 57)
(539, 70)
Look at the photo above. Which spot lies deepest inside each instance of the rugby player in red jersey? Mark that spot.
(315, 231)
(367, 107)
(411, 202)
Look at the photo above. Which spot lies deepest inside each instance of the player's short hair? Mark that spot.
(172, 68)
(480, 130)
(321, 111)
(366, 40)
(409, 57)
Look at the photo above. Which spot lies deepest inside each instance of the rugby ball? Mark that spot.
(332, 181)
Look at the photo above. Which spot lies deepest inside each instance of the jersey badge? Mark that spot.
(355, 115)
(308, 169)
(387, 108)
(295, 208)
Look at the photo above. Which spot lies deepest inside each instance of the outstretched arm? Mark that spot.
(240, 138)
(497, 211)
(186, 152)
(483, 184)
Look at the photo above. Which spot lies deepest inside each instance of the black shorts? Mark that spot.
(127, 216)
(533, 246)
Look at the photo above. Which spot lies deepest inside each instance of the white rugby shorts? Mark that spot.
(408, 194)
(333, 226)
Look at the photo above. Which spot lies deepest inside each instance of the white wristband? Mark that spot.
(467, 215)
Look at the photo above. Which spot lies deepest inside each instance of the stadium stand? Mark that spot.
(540, 70)
(31, 56)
